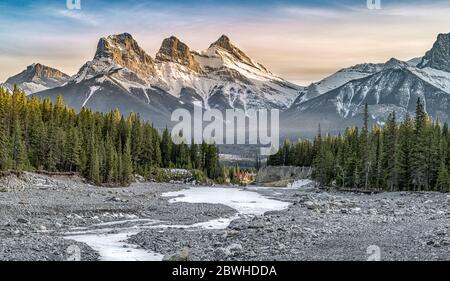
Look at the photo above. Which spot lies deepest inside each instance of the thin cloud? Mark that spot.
(79, 16)
(299, 42)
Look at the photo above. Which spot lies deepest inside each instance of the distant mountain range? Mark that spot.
(35, 78)
(122, 75)
(338, 101)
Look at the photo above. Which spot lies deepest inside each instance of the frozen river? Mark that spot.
(109, 239)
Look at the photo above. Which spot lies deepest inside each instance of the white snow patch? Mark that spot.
(111, 247)
(110, 242)
(109, 238)
(245, 202)
(437, 78)
(299, 184)
(93, 89)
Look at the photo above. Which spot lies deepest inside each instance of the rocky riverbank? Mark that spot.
(36, 211)
(324, 226)
(297, 223)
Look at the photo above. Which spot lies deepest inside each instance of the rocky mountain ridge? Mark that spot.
(36, 77)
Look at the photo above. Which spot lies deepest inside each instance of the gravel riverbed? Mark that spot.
(37, 212)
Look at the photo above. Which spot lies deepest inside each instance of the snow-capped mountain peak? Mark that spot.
(336, 80)
(35, 78)
(224, 43)
(225, 53)
(222, 76)
(395, 63)
(122, 75)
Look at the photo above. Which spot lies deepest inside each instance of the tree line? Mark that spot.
(411, 155)
(36, 134)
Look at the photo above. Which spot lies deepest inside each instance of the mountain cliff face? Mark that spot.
(118, 53)
(173, 50)
(439, 56)
(35, 78)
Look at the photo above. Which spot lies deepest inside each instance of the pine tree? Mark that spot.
(157, 154)
(211, 162)
(443, 179)
(183, 159)
(93, 167)
(419, 159)
(195, 156)
(324, 167)
(365, 149)
(148, 151)
(50, 156)
(433, 152)
(19, 154)
(351, 164)
(136, 142)
(111, 168)
(166, 148)
(36, 136)
(390, 153)
(404, 154)
(73, 151)
(127, 165)
(4, 133)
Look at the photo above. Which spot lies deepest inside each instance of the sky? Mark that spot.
(301, 41)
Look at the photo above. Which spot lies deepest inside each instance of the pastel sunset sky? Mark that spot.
(301, 41)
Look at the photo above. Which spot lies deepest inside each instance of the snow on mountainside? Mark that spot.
(337, 79)
(392, 89)
(438, 78)
(243, 80)
(221, 77)
(35, 78)
(393, 86)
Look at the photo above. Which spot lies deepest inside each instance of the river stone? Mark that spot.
(182, 255)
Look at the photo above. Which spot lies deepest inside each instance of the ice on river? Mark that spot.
(245, 202)
(110, 242)
(109, 239)
(112, 247)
